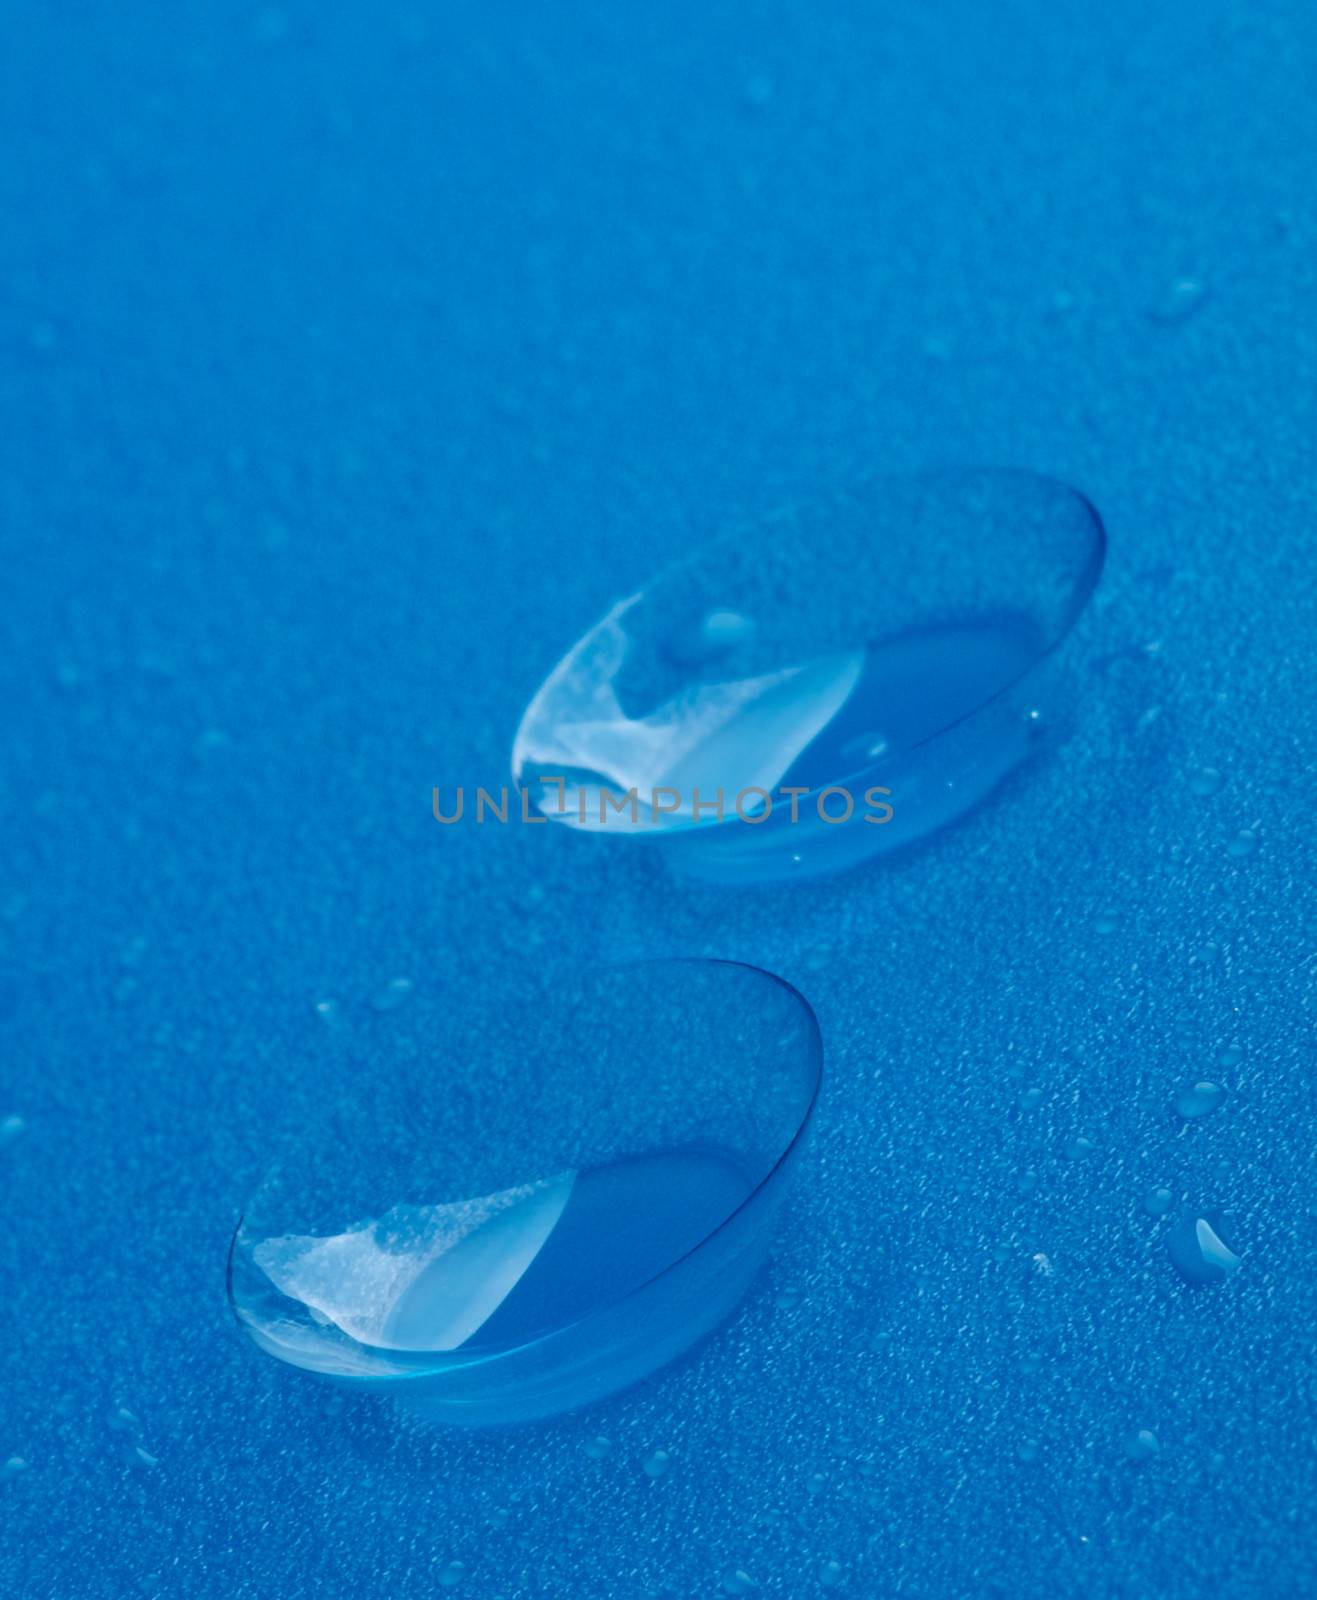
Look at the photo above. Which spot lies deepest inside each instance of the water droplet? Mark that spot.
(13, 1467)
(831, 1574)
(12, 1127)
(1180, 299)
(1027, 1451)
(657, 1464)
(517, 1221)
(1106, 922)
(1198, 1249)
(738, 1581)
(715, 635)
(1079, 1147)
(815, 1483)
(598, 1447)
(453, 1574)
(1157, 1202)
(1244, 843)
(392, 995)
(143, 1458)
(901, 632)
(1229, 1055)
(1030, 1099)
(1142, 1446)
(1206, 781)
(327, 1010)
(1199, 1100)
(122, 1420)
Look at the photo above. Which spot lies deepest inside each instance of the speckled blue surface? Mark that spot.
(354, 359)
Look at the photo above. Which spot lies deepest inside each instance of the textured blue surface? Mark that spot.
(354, 359)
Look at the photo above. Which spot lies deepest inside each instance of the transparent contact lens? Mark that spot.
(561, 1197)
(811, 690)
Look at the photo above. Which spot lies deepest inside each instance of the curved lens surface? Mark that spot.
(561, 1197)
(843, 678)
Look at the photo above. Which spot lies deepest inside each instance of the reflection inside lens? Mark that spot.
(494, 1272)
(564, 1193)
(890, 637)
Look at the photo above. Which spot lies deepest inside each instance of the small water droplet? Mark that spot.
(865, 747)
(1027, 1450)
(657, 1464)
(1180, 299)
(453, 1574)
(598, 1447)
(327, 1010)
(1030, 1099)
(1198, 1249)
(13, 1467)
(1026, 1183)
(1198, 1101)
(724, 630)
(1106, 922)
(392, 995)
(1206, 781)
(716, 634)
(738, 1581)
(1230, 1055)
(1142, 1445)
(122, 1420)
(1079, 1147)
(12, 1127)
(831, 1574)
(143, 1458)
(1157, 1202)
(1244, 843)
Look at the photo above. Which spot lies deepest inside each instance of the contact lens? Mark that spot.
(838, 680)
(562, 1195)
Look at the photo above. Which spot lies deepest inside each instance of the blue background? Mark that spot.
(354, 359)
